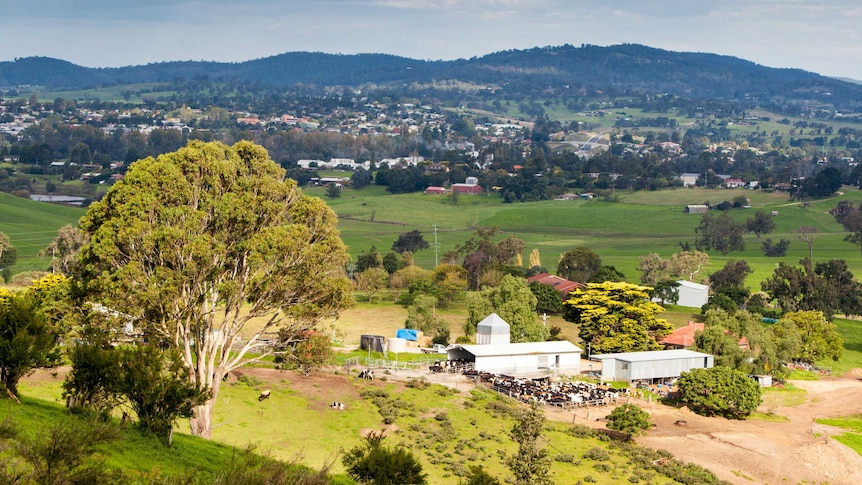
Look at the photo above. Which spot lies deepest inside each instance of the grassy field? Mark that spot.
(620, 232)
(31, 226)
(446, 429)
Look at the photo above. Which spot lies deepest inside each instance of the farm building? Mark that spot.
(435, 190)
(492, 330)
(696, 209)
(562, 285)
(522, 358)
(651, 366)
(683, 337)
(692, 294)
(494, 353)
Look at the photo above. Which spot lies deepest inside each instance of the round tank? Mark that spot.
(397, 345)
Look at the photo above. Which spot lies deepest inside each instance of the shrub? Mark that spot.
(629, 419)
(597, 454)
(375, 463)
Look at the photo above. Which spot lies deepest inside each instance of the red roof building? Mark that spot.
(435, 190)
(466, 188)
(562, 285)
(683, 337)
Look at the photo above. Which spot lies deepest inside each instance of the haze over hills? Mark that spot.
(625, 67)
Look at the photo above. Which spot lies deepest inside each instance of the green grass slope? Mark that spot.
(620, 232)
(31, 226)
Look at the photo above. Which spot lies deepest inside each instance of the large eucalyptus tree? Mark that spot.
(209, 248)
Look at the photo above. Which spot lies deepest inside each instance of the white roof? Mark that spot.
(693, 285)
(493, 325)
(651, 355)
(524, 348)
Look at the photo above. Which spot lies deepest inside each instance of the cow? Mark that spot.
(367, 374)
(263, 395)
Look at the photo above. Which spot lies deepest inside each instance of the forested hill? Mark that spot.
(626, 67)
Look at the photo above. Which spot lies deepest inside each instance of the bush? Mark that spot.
(629, 419)
(597, 454)
(375, 463)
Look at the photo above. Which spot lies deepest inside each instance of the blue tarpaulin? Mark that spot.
(407, 334)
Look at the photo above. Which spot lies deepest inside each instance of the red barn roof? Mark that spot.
(562, 285)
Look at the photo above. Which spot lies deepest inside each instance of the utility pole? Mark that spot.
(436, 247)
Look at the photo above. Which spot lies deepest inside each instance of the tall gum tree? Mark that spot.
(199, 243)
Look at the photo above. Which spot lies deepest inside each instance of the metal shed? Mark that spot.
(651, 366)
(521, 358)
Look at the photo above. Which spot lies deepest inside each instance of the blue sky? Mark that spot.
(820, 36)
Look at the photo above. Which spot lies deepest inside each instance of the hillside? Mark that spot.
(626, 67)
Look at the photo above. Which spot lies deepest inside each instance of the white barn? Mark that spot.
(692, 294)
(522, 358)
(651, 366)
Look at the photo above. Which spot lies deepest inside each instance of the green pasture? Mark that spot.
(620, 232)
(31, 226)
(446, 429)
(117, 93)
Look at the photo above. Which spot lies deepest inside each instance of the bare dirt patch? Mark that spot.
(797, 450)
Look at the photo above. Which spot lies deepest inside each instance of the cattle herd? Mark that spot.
(561, 394)
(457, 366)
(367, 374)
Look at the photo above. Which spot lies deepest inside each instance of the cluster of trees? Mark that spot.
(724, 233)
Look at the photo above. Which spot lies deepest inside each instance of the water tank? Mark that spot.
(397, 345)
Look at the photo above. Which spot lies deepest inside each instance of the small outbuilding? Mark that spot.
(692, 294)
(492, 330)
(651, 366)
(696, 209)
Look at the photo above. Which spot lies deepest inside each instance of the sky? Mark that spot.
(819, 36)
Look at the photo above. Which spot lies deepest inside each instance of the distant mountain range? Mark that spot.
(625, 67)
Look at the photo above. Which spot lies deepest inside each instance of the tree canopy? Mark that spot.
(197, 243)
(579, 264)
(719, 391)
(818, 338)
(617, 317)
(722, 233)
(410, 241)
(851, 218)
(827, 287)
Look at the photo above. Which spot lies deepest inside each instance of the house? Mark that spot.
(696, 209)
(692, 294)
(734, 183)
(689, 179)
(683, 337)
(432, 190)
(651, 366)
(562, 285)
